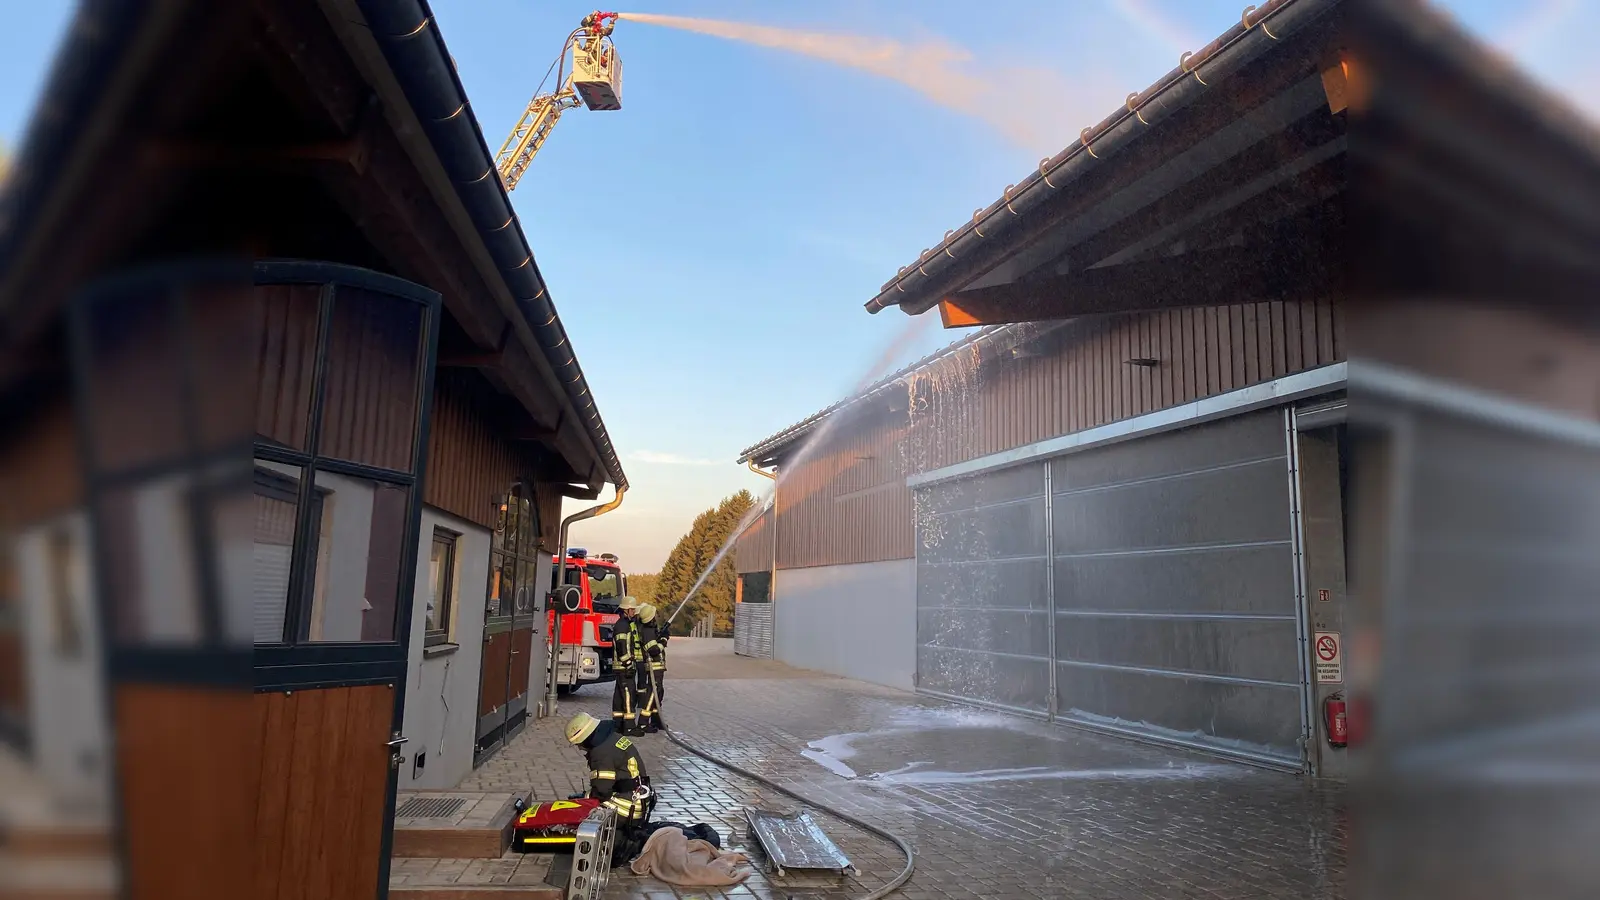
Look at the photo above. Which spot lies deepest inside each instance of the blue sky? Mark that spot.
(710, 245)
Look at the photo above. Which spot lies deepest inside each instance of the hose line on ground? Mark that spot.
(886, 890)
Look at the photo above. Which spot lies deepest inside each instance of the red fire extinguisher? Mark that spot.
(1334, 718)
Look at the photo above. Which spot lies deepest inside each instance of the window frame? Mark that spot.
(446, 608)
(296, 642)
(521, 551)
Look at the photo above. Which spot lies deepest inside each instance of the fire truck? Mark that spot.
(585, 656)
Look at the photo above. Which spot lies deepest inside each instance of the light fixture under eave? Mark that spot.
(1144, 362)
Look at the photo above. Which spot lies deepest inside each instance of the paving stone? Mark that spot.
(998, 807)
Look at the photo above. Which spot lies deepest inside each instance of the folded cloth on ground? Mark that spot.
(671, 856)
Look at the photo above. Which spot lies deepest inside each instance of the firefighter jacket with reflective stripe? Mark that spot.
(615, 772)
(627, 644)
(655, 647)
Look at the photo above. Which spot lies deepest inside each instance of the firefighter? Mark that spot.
(617, 778)
(632, 672)
(655, 652)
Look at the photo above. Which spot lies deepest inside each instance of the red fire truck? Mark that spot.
(585, 656)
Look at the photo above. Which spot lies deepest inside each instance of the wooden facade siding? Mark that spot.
(41, 472)
(374, 349)
(845, 500)
(753, 552)
(286, 361)
(471, 464)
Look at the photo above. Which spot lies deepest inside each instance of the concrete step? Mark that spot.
(27, 877)
(477, 892)
(55, 841)
(514, 876)
(453, 824)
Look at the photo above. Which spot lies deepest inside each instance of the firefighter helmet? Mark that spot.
(580, 727)
(647, 612)
(630, 603)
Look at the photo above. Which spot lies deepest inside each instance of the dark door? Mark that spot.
(294, 782)
(345, 370)
(509, 620)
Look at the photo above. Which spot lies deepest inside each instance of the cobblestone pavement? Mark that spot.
(996, 806)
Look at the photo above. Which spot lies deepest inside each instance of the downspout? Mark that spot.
(772, 580)
(561, 580)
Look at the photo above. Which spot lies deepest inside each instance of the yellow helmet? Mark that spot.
(580, 726)
(629, 602)
(647, 612)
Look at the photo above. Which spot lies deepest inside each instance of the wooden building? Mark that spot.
(1123, 504)
(258, 276)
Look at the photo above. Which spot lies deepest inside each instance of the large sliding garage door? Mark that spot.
(1157, 574)
(1174, 588)
(983, 614)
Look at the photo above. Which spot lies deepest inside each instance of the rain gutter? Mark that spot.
(409, 37)
(919, 286)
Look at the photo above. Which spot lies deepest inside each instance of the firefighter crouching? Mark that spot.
(617, 778)
(632, 671)
(653, 632)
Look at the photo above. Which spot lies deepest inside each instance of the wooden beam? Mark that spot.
(529, 430)
(580, 492)
(1194, 279)
(1336, 84)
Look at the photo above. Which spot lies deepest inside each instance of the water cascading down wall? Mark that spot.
(1145, 587)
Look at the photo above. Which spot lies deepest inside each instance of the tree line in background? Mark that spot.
(689, 559)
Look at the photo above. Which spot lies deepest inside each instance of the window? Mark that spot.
(340, 382)
(442, 597)
(512, 558)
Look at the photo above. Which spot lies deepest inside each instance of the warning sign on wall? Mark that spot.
(1329, 657)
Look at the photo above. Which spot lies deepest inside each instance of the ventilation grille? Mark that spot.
(429, 807)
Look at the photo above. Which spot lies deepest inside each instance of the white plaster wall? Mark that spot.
(342, 558)
(66, 692)
(344, 534)
(859, 621)
(442, 683)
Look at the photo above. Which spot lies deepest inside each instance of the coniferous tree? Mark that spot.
(707, 536)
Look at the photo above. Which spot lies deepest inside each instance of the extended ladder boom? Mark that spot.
(531, 133)
(595, 82)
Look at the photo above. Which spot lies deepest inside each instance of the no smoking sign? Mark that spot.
(1330, 657)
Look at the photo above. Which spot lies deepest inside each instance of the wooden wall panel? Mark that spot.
(844, 500)
(470, 462)
(495, 672)
(188, 772)
(323, 775)
(41, 475)
(753, 551)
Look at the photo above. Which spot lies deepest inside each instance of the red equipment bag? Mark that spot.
(544, 827)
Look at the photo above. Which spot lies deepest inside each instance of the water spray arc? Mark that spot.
(942, 72)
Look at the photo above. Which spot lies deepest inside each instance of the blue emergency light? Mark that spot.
(578, 553)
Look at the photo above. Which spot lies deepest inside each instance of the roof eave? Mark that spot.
(919, 286)
(409, 38)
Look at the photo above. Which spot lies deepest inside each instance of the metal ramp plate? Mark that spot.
(794, 841)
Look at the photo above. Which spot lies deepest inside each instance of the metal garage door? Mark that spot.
(982, 597)
(1176, 614)
(752, 630)
(1167, 569)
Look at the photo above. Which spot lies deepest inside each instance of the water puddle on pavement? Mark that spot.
(832, 751)
(914, 774)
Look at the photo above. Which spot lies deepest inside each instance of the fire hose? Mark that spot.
(905, 848)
